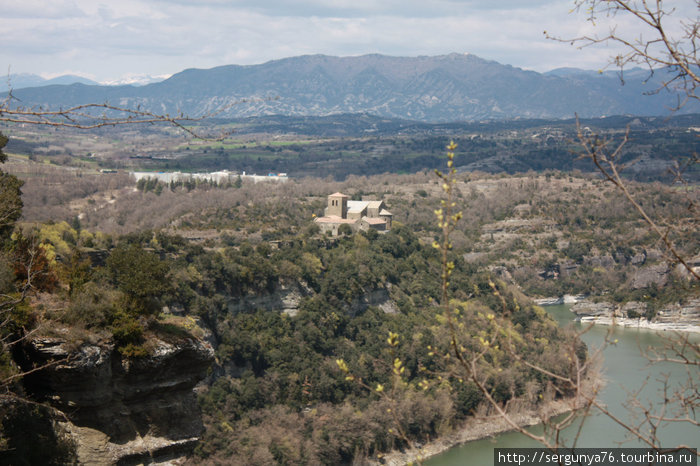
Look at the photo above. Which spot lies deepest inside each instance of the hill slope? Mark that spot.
(441, 88)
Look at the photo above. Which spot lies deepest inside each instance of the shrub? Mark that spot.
(7, 275)
(344, 230)
(93, 306)
(126, 329)
(141, 276)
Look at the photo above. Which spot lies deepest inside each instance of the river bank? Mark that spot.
(642, 323)
(566, 299)
(673, 317)
(482, 427)
(680, 318)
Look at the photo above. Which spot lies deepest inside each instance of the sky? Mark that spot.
(121, 39)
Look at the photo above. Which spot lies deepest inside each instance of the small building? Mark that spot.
(358, 215)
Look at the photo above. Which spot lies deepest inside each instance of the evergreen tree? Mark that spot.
(10, 197)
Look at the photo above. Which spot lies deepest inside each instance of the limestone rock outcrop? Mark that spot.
(287, 298)
(120, 410)
(284, 298)
(683, 317)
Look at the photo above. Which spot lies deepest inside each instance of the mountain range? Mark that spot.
(23, 80)
(454, 87)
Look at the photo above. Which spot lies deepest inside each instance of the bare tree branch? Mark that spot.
(79, 117)
(658, 49)
(98, 115)
(605, 161)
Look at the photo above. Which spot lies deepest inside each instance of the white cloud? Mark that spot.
(110, 40)
(39, 9)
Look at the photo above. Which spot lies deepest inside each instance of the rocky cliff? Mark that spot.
(118, 410)
(679, 317)
(287, 298)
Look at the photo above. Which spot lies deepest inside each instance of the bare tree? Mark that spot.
(477, 363)
(662, 40)
(605, 155)
(25, 255)
(90, 116)
(95, 115)
(668, 45)
(576, 382)
(665, 42)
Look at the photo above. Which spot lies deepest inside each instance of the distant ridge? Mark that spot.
(24, 80)
(452, 87)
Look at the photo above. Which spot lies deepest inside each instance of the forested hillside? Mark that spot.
(307, 329)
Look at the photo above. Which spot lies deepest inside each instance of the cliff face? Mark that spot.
(678, 317)
(284, 298)
(287, 298)
(117, 410)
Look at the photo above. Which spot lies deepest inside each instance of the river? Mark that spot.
(625, 369)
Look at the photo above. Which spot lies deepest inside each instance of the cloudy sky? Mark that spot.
(111, 40)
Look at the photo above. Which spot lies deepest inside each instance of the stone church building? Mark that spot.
(358, 215)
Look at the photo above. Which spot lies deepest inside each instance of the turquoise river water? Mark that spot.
(625, 369)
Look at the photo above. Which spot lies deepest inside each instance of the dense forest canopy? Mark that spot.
(352, 367)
